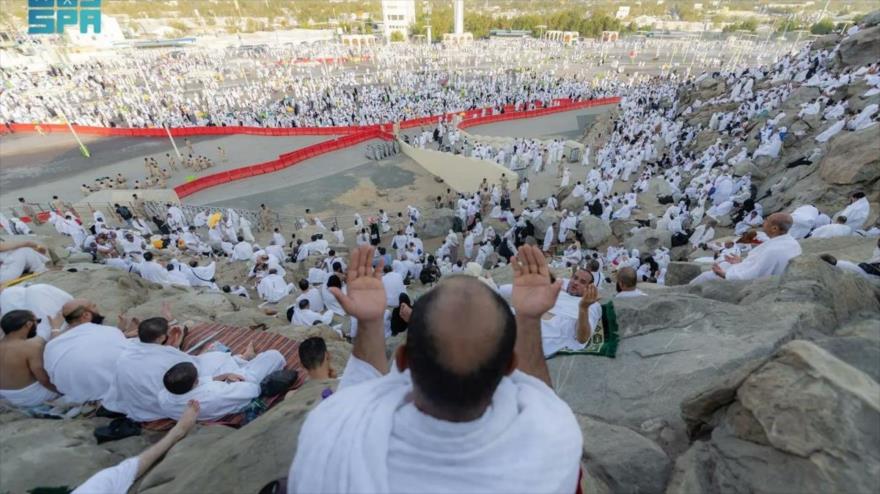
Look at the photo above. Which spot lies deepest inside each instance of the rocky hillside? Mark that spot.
(761, 386)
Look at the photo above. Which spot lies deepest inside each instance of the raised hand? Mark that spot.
(166, 311)
(591, 295)
(365, 299)
(187, 420)
(533, 294)
(57, 320)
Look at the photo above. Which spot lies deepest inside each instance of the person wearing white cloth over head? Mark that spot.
(857, 212)
(468, 395)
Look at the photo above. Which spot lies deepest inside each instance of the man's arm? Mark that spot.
(532, 296)
(8, 245)
(152, 454)
(584, 325)
(35, 365)
(365, 301)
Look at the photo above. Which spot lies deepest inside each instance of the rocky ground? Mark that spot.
(714, 389)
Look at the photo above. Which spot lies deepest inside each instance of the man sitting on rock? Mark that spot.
(140, 368)
(81, 361)
(223, 394)
(476, 398)
(23, 380)
(768, 259)
(18, 257)
(626, 284)
(303, 315)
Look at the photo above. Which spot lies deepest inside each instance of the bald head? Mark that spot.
(626, 279)
(777, 224)
(460, 345)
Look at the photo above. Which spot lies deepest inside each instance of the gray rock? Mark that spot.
(646, 240)
(622, 228)
(681, 273)
(623, 460)
(243, 460)
(572, 203)
(54, 453)
(683, 342)
(594, 230)
(860, 49)
(857, 344)
(435, 222)
(542, 222)
(852, 157)
(803, 422)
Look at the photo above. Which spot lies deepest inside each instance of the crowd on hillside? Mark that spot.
(454, 386)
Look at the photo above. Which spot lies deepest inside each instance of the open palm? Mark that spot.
(365, 299)
(533, 294)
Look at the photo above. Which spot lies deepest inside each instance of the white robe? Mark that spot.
(138, 379)
(81, 362)
(767, 259)
(218, 399)
(273, 288)
(41, 299)
(393, 283)
(31, 395)
(856, 213)
(15, 262)
(371, 438)
(833, 230)
(153, 271)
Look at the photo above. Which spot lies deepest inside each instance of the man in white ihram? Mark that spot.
(768, 259)
(467, 405)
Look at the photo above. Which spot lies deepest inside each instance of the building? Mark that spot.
(398, 16)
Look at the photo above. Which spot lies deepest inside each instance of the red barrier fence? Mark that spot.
(471, 117)
(286, 160)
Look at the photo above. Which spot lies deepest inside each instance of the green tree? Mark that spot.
(397, 36)
(824, 26)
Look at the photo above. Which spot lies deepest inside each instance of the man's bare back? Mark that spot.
(21, 363)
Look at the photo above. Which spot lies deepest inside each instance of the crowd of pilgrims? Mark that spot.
(267, 89)
(646, 152)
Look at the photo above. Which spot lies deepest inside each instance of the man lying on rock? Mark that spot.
(465, 393)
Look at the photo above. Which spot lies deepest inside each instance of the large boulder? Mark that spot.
(670, 344)
(646, 240)
(435, 222)
(542, 222)
(857, 344)
(243, 460)
(860, 49)
(594, 230)
(55, 453)
(681, 273)
(803, 422)
(572, 203)
(622, 459)
(852, 158)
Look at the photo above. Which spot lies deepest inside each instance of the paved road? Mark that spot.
(62, 169)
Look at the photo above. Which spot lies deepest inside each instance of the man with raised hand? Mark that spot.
(466, 406)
